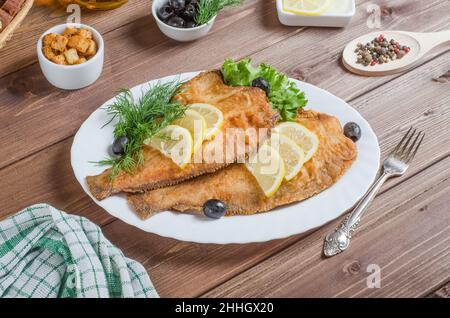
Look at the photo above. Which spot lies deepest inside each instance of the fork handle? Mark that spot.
(352, 221)
(339, 240)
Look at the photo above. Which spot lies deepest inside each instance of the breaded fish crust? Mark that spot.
(242, 107)
(235, 186)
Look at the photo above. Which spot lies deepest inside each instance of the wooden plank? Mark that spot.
(135, 53)
(406, 233)
(221, 268)
(181, 269)
(47, 177)
(433, 119)
(21, 50)
(24, 93)
(315, 55)
(442, 292)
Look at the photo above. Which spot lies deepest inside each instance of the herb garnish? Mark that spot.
(140, 120)
(284, 96)
(207, 9)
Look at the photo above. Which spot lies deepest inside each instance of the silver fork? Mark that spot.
(395, 165)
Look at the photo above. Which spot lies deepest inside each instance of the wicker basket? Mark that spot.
(7, 33)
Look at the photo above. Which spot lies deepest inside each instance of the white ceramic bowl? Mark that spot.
(338, 16)
(180, 34)
(72, 76)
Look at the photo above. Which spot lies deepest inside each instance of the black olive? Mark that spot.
(165, 12)
(176, 22)
(118, 146)
(214, 209)
(262, 84)
(193, 2)
(189, 12)
(177, 5)
(190, 24)
(352, 131)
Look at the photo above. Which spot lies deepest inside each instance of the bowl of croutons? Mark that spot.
(71, 55)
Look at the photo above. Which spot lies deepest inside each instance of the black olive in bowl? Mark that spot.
(165, 12)
(176, 22)
(177, 5)
(189, 12)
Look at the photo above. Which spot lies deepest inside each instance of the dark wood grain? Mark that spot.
(433, 119)
(314, 55)
(47, 177)
(442, 292)
(141, 44)
(181, 269)
(21, 50)
(406, 233)
(135, 53)
(38, 122)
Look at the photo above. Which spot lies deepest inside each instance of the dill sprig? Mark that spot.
(141, 120)
(207, 9)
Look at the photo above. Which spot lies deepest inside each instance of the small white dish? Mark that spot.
(339, 15)
(72, 77)
(91, 144)
(180, 34)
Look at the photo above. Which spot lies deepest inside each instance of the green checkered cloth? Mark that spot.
(48, 253)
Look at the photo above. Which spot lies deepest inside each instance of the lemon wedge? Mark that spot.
(268, 169)
(196, 124)
(293, 156)
(174, 142)
(213, 118)
(302, 136)
(307, 7)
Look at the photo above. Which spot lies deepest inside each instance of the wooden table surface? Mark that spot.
(407, 229)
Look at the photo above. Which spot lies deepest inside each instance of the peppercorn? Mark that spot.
(380, 51)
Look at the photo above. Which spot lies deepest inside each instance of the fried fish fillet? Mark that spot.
(242, 107)
(238, 188)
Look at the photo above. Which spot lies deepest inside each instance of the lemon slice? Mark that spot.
(302, 136)
(196, 124)
(268, 169)
(307, 7)
(213, 118)
(174, 142)
(293, 156)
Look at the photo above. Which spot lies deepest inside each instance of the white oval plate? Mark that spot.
(92, 143)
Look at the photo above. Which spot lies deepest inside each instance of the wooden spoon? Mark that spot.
(420, 44)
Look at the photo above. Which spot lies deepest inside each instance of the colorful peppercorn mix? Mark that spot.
(380, 51)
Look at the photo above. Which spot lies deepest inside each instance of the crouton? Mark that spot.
(48, 52)
(71, 56)
(81, 60)
(85, 33)
(60, 42)
(68, 32)
(92, 49)
(48, 39)
(79, 43)
(59, 59)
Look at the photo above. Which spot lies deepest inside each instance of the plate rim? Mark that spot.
(140, 224)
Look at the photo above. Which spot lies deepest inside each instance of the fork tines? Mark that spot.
(405, 150)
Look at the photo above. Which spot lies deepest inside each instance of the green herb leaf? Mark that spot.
(284, 95)
(141, 120)
(207, 9)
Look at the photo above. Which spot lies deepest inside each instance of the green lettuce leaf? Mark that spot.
(285, 96)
